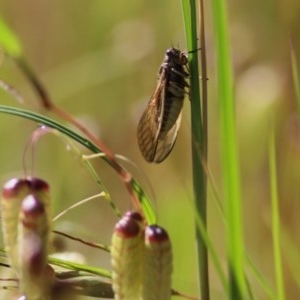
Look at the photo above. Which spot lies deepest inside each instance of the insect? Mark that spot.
(159, 123)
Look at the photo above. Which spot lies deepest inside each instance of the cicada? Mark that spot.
(159, 123)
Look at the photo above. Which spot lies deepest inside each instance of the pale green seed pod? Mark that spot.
(157, 264)
(13, 193)
(33, 232)
(127, 257)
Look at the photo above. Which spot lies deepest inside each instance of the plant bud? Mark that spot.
(127, 257)
(13, 193)
(33, 237)
(157, 264)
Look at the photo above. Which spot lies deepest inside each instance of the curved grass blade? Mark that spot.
(79, 267)
(142, 197)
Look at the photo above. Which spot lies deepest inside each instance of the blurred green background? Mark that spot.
(99, 61)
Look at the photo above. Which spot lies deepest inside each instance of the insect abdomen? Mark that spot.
(172, 111)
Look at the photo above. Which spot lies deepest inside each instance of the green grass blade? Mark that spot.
(213, 254)
(9, 41)
(261, 279)
(296, 77)
(79, 267)
(291, 253)
(198, 143)
(275, 219)
(237, 285)
(145, 202)
(189, 19)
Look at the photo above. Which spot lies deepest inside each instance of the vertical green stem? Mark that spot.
(275, 219)
(235, 248)
(198, 143)
(295, 73)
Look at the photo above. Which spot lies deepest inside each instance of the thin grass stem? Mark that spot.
(233, 213)
(198, 143)
(275, 219)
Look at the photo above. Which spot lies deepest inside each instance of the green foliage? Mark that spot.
(231, 177)
(8, 40)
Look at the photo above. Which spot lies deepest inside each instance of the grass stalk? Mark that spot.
(295, 73)
(235, 248)
(198, 144)
(275, 219)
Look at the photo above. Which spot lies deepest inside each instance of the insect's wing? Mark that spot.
(149, 125)
(165, 144)
(154, 141)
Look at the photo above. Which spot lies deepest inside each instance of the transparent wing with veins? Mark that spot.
(154, 144)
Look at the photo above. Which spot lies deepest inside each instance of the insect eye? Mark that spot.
(183, 58)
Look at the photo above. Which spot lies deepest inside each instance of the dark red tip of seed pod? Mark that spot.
(127, 227)
(12, 188)
(37, 184)
(134, 215)
(32, 206)
(156, 234)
